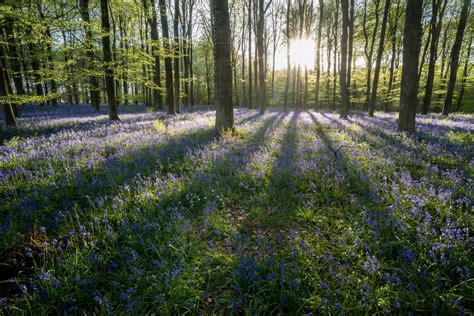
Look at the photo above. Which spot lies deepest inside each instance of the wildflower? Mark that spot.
(371, 264)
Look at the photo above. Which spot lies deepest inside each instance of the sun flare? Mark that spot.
(302, 52)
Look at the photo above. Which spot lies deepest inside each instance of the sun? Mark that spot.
(302, 52)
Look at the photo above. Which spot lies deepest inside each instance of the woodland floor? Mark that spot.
(298, 212)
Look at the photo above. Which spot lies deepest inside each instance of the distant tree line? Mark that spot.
(166, 53)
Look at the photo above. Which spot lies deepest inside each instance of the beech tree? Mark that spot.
(411, 54)
(108, 66)
(223, 68)
(455, 56)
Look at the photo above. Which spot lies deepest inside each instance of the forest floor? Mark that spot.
(295, 213)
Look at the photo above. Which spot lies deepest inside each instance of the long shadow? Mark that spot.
(113, 175)
(281, 179)
(110, 174)
(356, 179)
(44, 203)
(462, 152)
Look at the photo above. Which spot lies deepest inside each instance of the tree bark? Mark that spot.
(108, 67)
(155, 51)
(464, 74)
(177, 55)
(261, 66)
(379, 59)
(223, 68)
(455, 56)
(91, 60)
(435, 28)
(318, 55)
(168, 64)
(8, 113)
(288, 63)
(411, 54)
(250, 52)
(343, 73)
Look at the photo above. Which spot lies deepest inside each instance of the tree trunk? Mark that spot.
(250, 51)
(336, 18)
(223, 68)
(343, 73)
(435, 28)
(411, 53)
(91, 60)
(464, 74)
(155, 51)
(14, 63)
(8, 112)
(318, 55)
(379, 59)
(261, 66)
(47, 33)
(369, 48)
(108, 67)
(168, 64)
(455, 57)
(288, 63)
(350, 48)
(176, 55)
(393, 38)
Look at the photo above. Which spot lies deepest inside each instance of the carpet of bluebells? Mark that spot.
(296, 212)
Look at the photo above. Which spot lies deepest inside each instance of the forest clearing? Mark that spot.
(236, 157)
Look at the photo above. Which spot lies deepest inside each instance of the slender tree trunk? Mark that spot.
(250, 52)
(328, 73)
(343, 73)
(369, 48)
(223, 69)
(177, 56)
(8, 111)
(435, 28)
(168, 64)
(108, 67)
(261, 71)
(350, 48)
(14, 63)
(336, 18)
(455, 57)
(208, 76)
(464, 74)
(318, 55)
(52, 82)
(288, 61)
(393, 39)
(379, 59)
(91, 60)
(411, 53)
(155, 51)
(305, 98)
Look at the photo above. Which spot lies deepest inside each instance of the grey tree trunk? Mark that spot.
(318, 54)
(223, 67)
(91, 60)
(411, 55)
(261, 58)
(378, 61)
(343, 72)
(155, 51)
(168, 64)
(8, 113)
(108, 67)
(455, 57)
(464, 74)
(288, 64)
(435, 28)
(176, 56)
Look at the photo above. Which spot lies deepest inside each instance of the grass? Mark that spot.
(294, 213)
